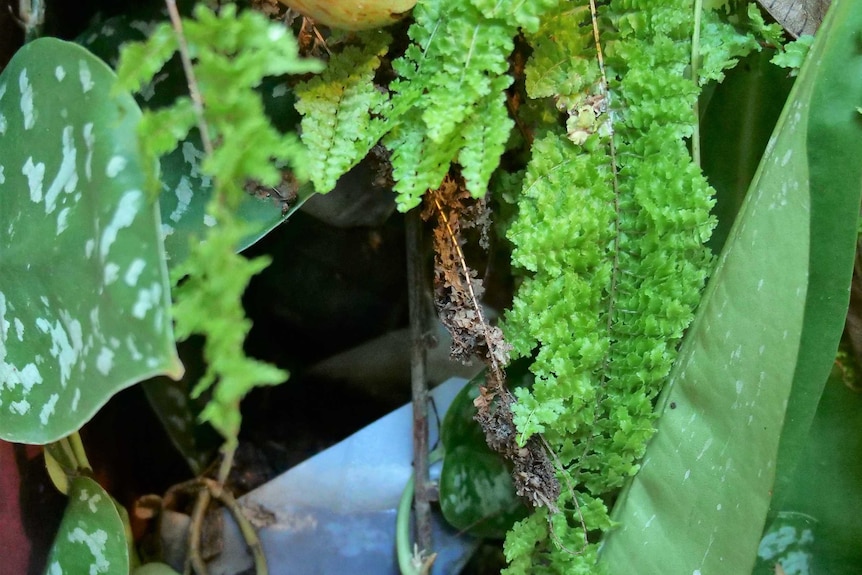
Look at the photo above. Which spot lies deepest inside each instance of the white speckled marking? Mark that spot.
(123, 218)
(115, 166)
(48, 409)
(705, 448)
(26, 101)
(20, 407)
(147, 299)
(134, 271)
(133, 350)
(66, 346)
(67, 176)
(92, 500)
(85, 76)
(59, 73)
(184, 196)
(96, 543)
(89, 141)
(111, 273)
(76, 397)
(62, 221)
(105, 361)
(35, 175)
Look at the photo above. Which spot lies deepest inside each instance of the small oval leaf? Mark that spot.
(90, 539)
(477, 494)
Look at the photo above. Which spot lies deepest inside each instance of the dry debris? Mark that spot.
(457, 292)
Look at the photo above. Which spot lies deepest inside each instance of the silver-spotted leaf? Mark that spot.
(84, 293)
(91, 536)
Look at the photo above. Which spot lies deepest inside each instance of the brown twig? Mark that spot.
(615, 273)
(194, 561)
(249, 534)
(419, 385)
(206, 490)
(533, 473)
(194, 92)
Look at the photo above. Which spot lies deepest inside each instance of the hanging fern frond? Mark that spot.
(610, 232)
(342, 110)
(450, 90)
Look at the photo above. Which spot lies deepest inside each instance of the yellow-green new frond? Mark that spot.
(342, 110)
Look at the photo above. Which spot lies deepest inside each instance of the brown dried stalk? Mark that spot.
(457, 291)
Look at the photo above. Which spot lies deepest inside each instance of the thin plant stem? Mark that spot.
(188, 69)
(411, 561)
(494, 365)
(228, 451)
(31, 14)
(66, 447)
(80, 455)
(194, 562)
(246, 529)
(402, 530)
(419, 384)
(695, 77)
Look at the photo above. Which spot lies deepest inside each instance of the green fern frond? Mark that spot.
(448, 100)
(610, 232)
(342, 111)
(230, 54)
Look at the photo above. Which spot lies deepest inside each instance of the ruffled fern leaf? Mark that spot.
(342, 110)
(610, 231)
(451, 79)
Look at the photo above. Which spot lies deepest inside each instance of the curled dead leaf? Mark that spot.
(798, 17)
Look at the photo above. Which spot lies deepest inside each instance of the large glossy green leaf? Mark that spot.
(91, 538)
(835, 174)
(699, 503)
(84, 293)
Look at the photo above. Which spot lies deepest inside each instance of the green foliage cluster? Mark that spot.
(449, 95)
(731, 33)
(230, 54)
(610, 232)
(612, 212)
(446, 105)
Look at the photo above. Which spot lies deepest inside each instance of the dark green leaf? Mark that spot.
(823, 497)
(84, 296)
(477, 494)
(185, 189)
(91, 537)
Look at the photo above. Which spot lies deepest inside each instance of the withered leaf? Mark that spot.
(797, 16)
